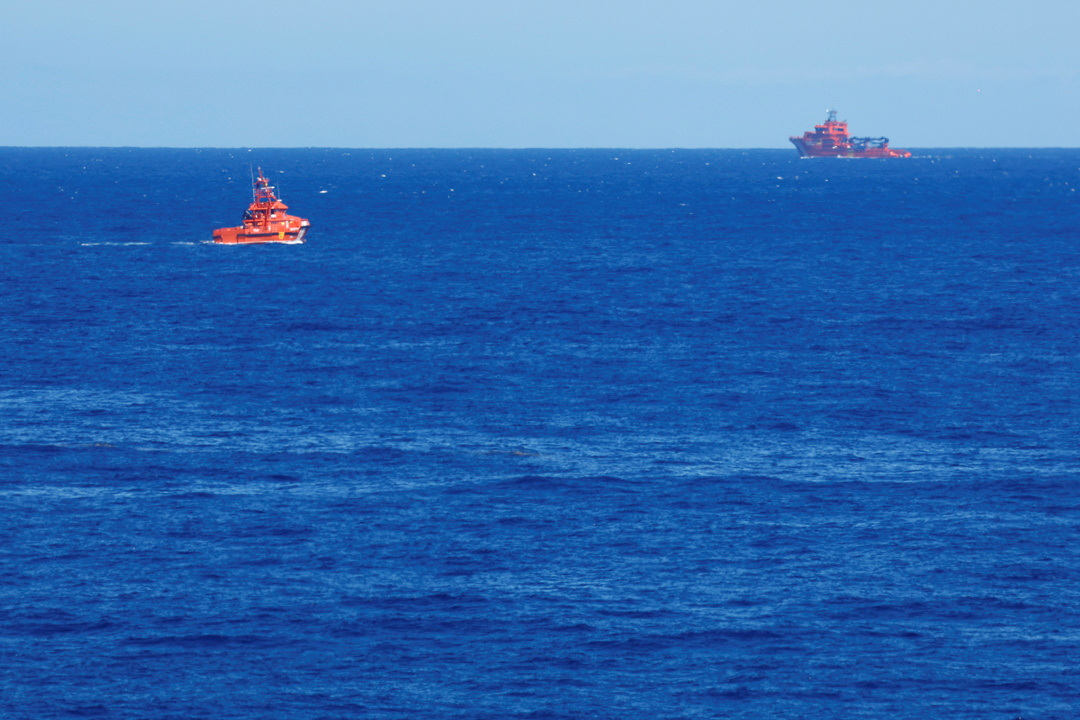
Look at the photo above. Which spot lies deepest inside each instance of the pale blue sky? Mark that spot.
(558, 73)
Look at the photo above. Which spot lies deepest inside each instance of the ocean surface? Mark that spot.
(545, 434)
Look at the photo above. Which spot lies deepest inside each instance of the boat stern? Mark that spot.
(227, 236)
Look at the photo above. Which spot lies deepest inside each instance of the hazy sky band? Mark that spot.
(475, 73)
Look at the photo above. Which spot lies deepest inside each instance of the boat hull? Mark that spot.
(847, 151)
(291, 234)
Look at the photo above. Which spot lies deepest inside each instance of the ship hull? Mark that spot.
(809, 150)
(291, 235)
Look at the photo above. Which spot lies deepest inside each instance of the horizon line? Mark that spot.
(500, 147)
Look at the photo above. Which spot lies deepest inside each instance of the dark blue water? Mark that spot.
(541, 434)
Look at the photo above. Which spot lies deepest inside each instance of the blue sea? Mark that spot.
(544, 434)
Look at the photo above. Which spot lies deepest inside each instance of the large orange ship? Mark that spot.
(265, 220)
(831, 139)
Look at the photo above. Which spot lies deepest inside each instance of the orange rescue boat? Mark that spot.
(265, 220)
(831, 139)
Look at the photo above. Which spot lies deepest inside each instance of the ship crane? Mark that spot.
(869, 141)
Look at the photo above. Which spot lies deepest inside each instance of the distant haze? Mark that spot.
(558, 73)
